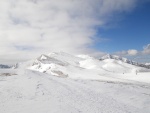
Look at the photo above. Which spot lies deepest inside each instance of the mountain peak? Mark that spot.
(109, 56)
(115, 57)
(43, 57)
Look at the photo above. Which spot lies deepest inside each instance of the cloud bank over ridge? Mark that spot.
(31, 27)
(133, 52)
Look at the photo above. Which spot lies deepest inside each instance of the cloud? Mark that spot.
(146, 49)
(132, 52)
(31, 27)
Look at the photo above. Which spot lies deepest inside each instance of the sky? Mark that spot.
(29, 28)
(131, 32)
(134, 27)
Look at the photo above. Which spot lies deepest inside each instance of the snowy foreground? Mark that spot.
(60, 83)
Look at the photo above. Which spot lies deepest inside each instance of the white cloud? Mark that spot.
(132, 52)
(31, 27)
(146, 49)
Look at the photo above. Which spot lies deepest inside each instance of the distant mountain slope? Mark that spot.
(5, 66)
(108, 56)
(148, 64)
(82, 66)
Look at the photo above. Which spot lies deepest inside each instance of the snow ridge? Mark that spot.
(108, 56)
(83, 66)
(64, 83)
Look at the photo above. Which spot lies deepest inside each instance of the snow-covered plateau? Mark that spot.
(64, 83)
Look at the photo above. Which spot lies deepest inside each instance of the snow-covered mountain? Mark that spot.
(108, 56)
(147, 64)
(55, 63)
(82, 66)
(2, 66)
(64, 83)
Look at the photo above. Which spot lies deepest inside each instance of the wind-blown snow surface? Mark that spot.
(62, 83)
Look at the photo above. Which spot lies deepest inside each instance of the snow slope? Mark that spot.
(63, 83)
(85, 67)
(35, 92)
